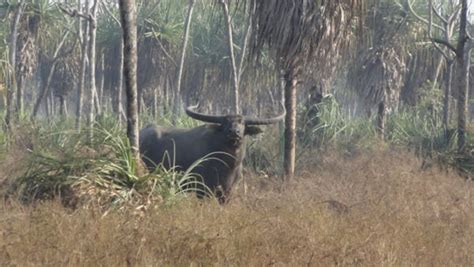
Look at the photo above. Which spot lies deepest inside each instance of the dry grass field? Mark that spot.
(375, 209)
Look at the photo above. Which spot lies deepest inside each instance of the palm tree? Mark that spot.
(300, 33)
(129, 26)
(381, 59)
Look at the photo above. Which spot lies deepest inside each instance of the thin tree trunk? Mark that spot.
(437, 72)
(177, 95)
(447, 93)
(244, 49)
(155, 102)
(101, 87)
(62, 107)
(381, 119)
(290, 126)
(84, 40)
(12, 86)
(19, 97)
(119, 89)
(47, 108)
(128, 21)
(462, 60)
(230, 43)
(92, 64)
(52, 106)
(120, 86)
(45, 90)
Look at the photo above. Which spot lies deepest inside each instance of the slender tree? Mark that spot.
(12, 86)
(177, 96)
(92, 64)
(119, 89)
(230, 43)
(462, 61)
(44, 92)
(129, 27)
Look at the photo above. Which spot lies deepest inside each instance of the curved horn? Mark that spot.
(255, 121)
(203, 117)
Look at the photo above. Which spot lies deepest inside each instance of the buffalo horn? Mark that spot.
(255, 121)
(203, 117)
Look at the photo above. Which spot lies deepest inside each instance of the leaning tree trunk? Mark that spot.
(177, 95)
(13, 46)
(45, 89)
(129, 27)
(290, 125)
(230, 43)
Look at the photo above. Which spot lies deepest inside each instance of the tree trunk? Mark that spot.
(462, 61)
(437, 72)
(447, 93)
(381, 119)
(119, 89)
(12, 86)
(128, 21)
(230, 43)
(155, 102)
(290, 126)
(62, 107)
(92, 64)
(19, 97)
(45, 90)
(177, 95)
(84, 40)
(101, 87)
(52, 110)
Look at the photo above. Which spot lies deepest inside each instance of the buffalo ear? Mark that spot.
(252, 130)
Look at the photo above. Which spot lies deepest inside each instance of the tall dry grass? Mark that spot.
(376, 208)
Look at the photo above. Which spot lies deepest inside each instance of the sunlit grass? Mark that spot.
(396, 214)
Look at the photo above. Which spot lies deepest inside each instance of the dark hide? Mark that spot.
(159, 144)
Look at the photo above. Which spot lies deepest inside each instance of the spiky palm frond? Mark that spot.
(302, 32)
(382, 54)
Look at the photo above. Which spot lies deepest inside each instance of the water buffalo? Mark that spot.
(222, 138)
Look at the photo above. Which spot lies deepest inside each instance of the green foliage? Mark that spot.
(331, 127)
(63, 163)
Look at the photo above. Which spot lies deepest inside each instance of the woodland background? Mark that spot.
(373, 164)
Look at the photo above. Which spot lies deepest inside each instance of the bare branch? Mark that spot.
(410, 8)
(454, 14)
(73, 12)
(444, 42)
(107, 9)
(166, 52)
(438, 14)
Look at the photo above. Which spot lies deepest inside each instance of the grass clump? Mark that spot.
(102, 170)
